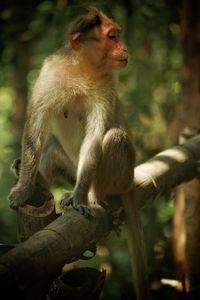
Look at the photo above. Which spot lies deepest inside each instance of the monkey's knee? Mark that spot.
(118, 161)
(117, 143)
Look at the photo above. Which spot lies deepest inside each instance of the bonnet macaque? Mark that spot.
(75, 129)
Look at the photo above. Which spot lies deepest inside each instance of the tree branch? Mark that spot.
(46, 252)
(71, 234)
(166, 170)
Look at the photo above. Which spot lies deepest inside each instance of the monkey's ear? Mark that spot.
(74, 41)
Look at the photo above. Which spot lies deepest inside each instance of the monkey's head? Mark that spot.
(95, 39)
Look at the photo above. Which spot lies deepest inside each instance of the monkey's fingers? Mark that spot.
(14, 202)
(19, 196)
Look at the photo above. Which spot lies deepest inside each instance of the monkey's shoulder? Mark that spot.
(59, 73)
(55, 69)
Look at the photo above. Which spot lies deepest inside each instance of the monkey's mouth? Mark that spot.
(123, 60)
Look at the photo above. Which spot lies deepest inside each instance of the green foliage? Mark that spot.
(7, 220)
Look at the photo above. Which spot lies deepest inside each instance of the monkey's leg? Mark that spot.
(55, 166)
(114, 174)
(41, 192)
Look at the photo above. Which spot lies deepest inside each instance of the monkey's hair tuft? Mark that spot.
(89, 18)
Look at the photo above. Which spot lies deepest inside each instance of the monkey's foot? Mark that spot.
(84, 210)
(67, 201)
(35, 196)
(15, 203)
(17, 197)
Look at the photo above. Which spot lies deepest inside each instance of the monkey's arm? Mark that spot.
(32, 142)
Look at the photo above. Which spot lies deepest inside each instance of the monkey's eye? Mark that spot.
(113, 35)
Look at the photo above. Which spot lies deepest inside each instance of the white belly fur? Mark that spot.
(69, 128)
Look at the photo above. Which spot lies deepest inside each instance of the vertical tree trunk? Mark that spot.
(188, 123)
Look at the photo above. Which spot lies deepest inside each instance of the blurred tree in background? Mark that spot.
(149, 89)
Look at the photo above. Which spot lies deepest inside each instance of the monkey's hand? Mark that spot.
(19, 196)
(33, 195)
(15, 167)
(69, 199)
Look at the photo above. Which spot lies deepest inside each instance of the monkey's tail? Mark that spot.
(136, 247)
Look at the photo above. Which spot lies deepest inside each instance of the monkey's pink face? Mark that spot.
(115, 52)
(102, 49)
(107, 52)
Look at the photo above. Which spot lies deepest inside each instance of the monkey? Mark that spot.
(75, 129)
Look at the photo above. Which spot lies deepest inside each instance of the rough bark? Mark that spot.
(46, 252)
(31, 219)
(71, 234)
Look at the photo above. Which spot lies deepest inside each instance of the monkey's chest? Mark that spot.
(69, 128)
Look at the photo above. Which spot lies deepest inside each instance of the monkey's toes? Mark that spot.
(14, 204)
(84, 210)
(15, 200)
(68, 200)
